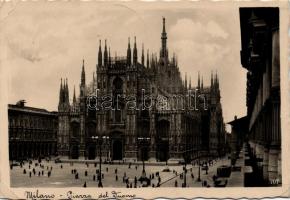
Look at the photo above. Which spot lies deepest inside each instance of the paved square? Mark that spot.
(63, 177)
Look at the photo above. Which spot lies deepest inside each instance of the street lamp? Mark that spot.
(184, 156)
(198, 179)
(142, 141)
(100, 141)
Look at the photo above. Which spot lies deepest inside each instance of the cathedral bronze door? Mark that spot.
(162, 151)
(75, 152)
(92, 152)
(117, 150)
(162, 143)
(144, 153)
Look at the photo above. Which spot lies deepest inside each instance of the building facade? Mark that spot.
(142, 109)
(32, 132)
(260, 56)
(238, 135)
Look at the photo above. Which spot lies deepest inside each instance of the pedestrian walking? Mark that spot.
(94, 177)
(24, 171)
(85, 184)
(176, 184)
(30, 174)
(117, 178)
(86, 173)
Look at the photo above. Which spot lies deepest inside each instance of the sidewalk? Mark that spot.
(237, 177)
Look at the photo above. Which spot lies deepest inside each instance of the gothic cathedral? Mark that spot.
(171, 121)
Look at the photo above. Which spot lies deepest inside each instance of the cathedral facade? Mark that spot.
(140, 109)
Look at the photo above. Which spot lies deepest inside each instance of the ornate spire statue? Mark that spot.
(129, 53)
(74, 97)
(148, 58)
(100, 54)
(164, 51)
(105, 54)
(142, 57)
(135, 56)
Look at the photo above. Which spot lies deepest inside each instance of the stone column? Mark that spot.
(265, 164)
(152, 153)
(130, 140)
(279, 167)
(273, 164)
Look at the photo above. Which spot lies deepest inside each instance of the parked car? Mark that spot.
(166, 170)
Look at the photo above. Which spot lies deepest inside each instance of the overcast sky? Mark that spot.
(47, 41)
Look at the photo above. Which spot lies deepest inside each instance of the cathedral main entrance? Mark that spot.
(162, 151)
(143, 153)
(91, 152)
(117, 149)
(162, 143)
(74, 152)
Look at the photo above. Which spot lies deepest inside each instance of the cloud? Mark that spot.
(200, 31)
(198, 45)
(215, 30)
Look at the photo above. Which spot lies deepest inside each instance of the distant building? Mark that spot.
(156, 133)
(238, 135)
(32, 132)
(260, 55)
